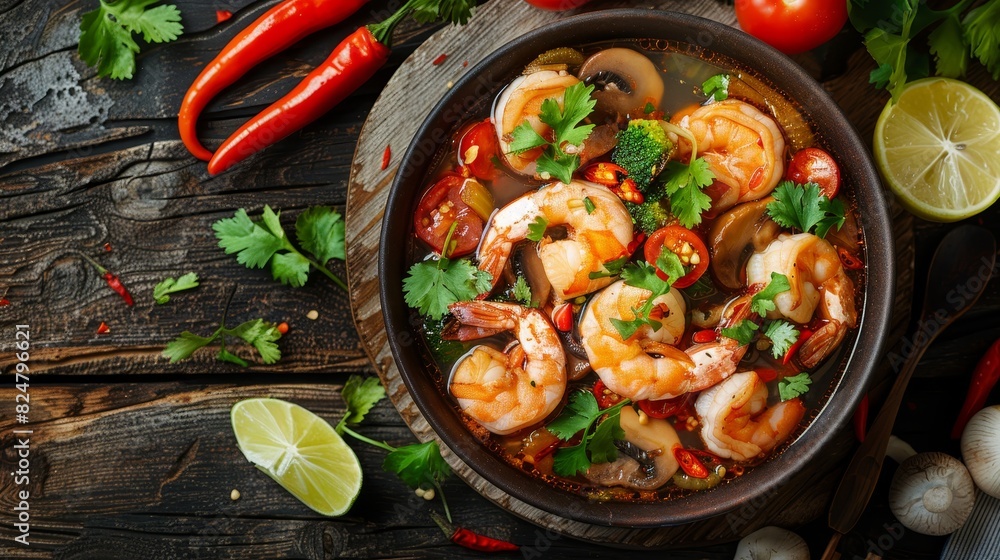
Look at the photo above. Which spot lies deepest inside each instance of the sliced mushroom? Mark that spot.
(524, 262)
(932, 494)
(772, 543)
(655, 439)
(981, 449)
(735, 236)
(625, 81)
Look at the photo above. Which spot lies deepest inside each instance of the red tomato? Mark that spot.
(557, 5)
(665, 408)
(675, 238)
(606, 398)
(792, 26)
(442, 206)
(813, 165)
(478, 150)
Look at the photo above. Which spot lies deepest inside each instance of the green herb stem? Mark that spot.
(368, 440)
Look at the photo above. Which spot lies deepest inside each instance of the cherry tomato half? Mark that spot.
(792, 26)
(665, 408)
(478, 149)
(557, 5)
(813, 165)
(442, 206)
(686, 244)
(606, 398)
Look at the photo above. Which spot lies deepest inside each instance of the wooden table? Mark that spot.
(132, 457)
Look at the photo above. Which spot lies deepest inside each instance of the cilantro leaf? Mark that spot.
(556, 161)
(602, 444)
(683, 185)
(536, 229)
(522, 292)
(360, 394)
(795, 386)
(431, 286)
(643, 275)
(804, 207)
(982, 33)
(320, 230)
(743, 332)
(580, 413)
(763, 301)
(571, 461)
(611, 268)
(253, 244)
(782, 335)
(419, 464)
(258, 333)
(290, 268)
(670, 263)
(597, 447)
(184, 345)
(227, 356)
(171, 285)
(716, 87)
(263, 336)
(947, 44)
(106, 34)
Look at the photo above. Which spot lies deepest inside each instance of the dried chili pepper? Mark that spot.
(473, 541)
(4, 302)
(861, 419)
(386, 157)
(113, 281)
(279, 28)
(222, 15)
(984, 378)
(103, 328)
(441, 58)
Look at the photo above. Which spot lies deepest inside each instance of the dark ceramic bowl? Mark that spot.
(848, 370)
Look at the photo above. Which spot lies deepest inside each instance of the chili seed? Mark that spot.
(643, 418)
(234, 495)
(695, 259)
(283, 328)
(471, 154)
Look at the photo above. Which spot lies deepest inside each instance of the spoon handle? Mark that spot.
(862, 474)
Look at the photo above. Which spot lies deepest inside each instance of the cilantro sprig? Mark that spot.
(643, 275)
(783, 336)
(684, 186)
(805, 208)
(320, 232)
(106, 34)
(258, 333)
(597, 444)
(173, 285)
(744, 332)
(432, 285)
(557, 160)
(794, 386)
(419, 465)
(522, 292)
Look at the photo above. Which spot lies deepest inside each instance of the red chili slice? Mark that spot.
(665, 408)
(806, 333)
(562, 317)
(690, 464)
(707, 335)
(606, 398)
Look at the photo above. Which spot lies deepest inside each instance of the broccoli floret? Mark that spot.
(650, 216)
(642, 150)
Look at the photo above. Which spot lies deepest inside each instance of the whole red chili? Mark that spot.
(473, 541)
(279, 28)
(984, 378)
(861, 419)
(113, 281)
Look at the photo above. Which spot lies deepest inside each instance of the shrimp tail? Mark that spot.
(485, 315)
(818, 346)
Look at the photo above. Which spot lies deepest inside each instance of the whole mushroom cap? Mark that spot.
(772, 543)
(981, 449)
(932, 494)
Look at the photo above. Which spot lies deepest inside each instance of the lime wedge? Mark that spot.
(937, 149)
(300, 451)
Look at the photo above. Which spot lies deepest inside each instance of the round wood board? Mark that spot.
(404, 104)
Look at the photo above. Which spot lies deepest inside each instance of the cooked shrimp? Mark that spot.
(505, 392)
(521, 101)
(736, 422)
(593, 238)
(819, 285)
(743, 147)
(648, 365)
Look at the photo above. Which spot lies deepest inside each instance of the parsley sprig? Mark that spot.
(419, 465)
(557, 159)
(432, 285)
(643, 275)
(320, 232)
(794, 386)
(106, 34)
(805, 208)
(173, 285)
(597, 445)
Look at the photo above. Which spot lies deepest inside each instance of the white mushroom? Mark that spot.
(981, 449)
(772, 543)
(932, 494)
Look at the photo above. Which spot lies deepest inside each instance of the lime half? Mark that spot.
(938, 148)
(300, 451)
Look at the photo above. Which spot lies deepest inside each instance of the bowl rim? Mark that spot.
(874, 223)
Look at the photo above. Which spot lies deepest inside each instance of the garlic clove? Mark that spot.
(932, 494)
(981, 449)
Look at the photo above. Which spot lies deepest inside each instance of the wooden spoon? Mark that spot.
(959, 272)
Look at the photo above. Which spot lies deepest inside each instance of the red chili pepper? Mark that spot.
(103, 328)
(473, 541)
(279, 28)
(806, 333)
(849, 261)
(690, 464)
(107, 247)
(861, 419)
(984, 378)
(547, 450)
(222, 15)
(766, 375)
(441, 58)
(113, 281)
(351, 64)
(707, 335)
(606, 398)
(562, 317)
(636, 243)
(386, 157)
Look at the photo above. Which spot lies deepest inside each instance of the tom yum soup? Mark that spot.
(635, 272)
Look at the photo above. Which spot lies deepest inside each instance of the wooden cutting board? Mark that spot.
(404, 104)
